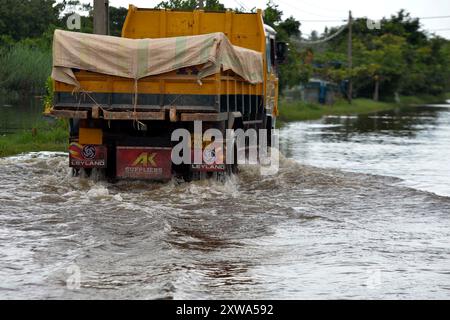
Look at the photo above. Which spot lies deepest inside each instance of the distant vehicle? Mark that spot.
(123, 126)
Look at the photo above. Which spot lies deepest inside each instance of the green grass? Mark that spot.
(44, 137)
(24, 68)
(422, 99)
(300, 111)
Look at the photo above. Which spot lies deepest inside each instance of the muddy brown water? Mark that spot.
(308, 232)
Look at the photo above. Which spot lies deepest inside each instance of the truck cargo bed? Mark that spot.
(103, 95)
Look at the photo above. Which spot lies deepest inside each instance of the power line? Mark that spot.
(239, 3)
(316, 6)
(345, 20)
(307, 12)
(316, 21)
(314, 42)
(300, 42)
(438, 17)
(342, 19)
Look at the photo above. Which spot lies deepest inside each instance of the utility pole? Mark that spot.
(101, 17)
(350, 56)
(201, 4)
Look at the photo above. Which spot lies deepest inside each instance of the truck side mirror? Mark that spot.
(282, 51)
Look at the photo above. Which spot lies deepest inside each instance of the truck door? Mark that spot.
(272, 77)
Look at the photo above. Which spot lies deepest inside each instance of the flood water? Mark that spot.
(412, 144)
(19, 112)
(359, 209)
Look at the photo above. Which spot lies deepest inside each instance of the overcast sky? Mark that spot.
(314, 10)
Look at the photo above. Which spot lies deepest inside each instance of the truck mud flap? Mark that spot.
(87, 156)
(211, 162)
(209, 167)
(148, 163)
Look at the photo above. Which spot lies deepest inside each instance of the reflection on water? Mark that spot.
(19, 112)
(411, 144)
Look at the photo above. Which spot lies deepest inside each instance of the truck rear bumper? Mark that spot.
(149, 163)
(173, 115)
(133, 162)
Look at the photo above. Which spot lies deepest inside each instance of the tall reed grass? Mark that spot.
(25, 68)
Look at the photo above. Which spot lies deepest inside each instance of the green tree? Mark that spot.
(386, 63)
(213, 5)
(272, 15)
(294, 71)
(399, 57)
(117, 18)
(27, 19)
(290, 26)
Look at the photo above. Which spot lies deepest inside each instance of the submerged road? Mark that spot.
(308, 232)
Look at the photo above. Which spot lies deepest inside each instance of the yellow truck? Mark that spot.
(124, 97)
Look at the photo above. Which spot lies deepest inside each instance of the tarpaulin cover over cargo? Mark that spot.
(140, 58)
